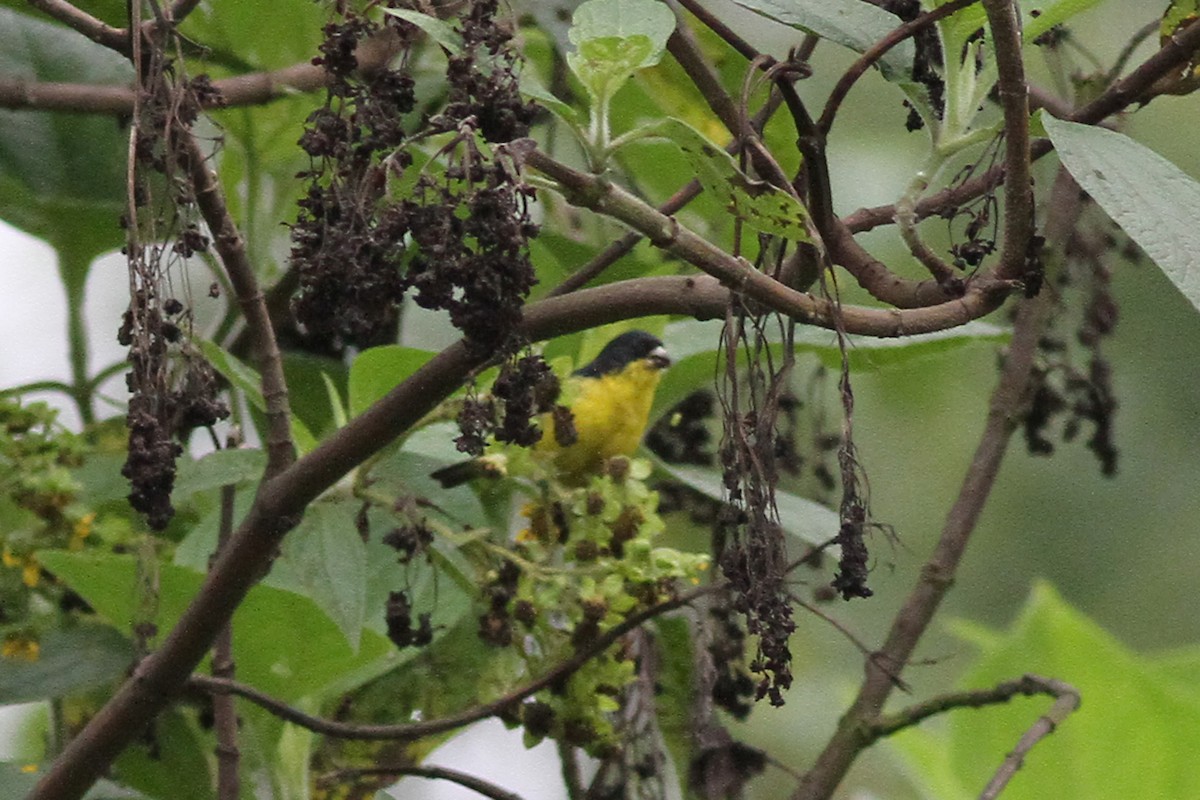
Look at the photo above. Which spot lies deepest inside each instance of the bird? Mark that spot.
(610, 399)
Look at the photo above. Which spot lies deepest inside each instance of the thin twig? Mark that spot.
(1120, 95)
(228, 242)
(1025, 686)
(82, 22)
(876, 52)
(568, 756)
(621, 247)
(224, 710)
(713, 23)
(416, 730)
(1067, 702)
(475, 784)
(666, 232)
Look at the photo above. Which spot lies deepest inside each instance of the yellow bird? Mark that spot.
(610, 399)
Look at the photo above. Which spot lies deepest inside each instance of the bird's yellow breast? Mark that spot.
(611, 413)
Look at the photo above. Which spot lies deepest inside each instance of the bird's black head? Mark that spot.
(624, 349)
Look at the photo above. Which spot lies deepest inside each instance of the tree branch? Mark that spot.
(1014, 99)
(224, 711)
(852, 734)
(666, 232)
(1132, 88)
(253, 88)
(937, 575)
(82, 22)
(228, 242)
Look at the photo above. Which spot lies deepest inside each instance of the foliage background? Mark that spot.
(1125, 550)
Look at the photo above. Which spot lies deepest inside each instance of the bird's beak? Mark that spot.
(658, 358)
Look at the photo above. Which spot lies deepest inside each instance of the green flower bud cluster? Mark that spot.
(582, 565)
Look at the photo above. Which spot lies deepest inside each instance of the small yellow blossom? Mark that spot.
(27, 768)
(20, 647)
(82, 530)
(9, 559)
(30, 572)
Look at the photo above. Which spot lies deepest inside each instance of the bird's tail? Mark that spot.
(465, 471)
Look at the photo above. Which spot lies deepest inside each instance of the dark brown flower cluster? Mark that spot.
(483, 80)
(470, 230)
(348, 256)
(458, 240)
(173, 391)
(927, 61)
(400, 627)
(1071, 386)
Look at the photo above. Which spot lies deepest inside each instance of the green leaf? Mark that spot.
(532, 88)
(71, 660)
(441, 32)
(1039, 16)
(377, 371)
(809, 521)
(253, 35)
(222, 468)
(174, 763)
(1135, 734)
(283, 643)
(325, 559)
(675, 701)
(616, 38)
(759, 204)
(693, 348)
(247, 379)
(851, 23)
(1152, 200)
(335, 400)
(62, 176)
(1179, 12)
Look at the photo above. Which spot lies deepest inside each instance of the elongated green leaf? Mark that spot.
(693, 347)
(283, 643)
(377, 371)
(1152, 200)
(441, 32)
(759, 204)
(676, 698)
(1039, 16)
(850, 23)
(809, 521)
(325, 559)
(616, 38)
(532, 88)
(1135, 734)
(71, 660)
